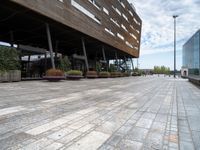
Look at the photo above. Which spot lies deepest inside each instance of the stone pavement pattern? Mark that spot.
(124, 113)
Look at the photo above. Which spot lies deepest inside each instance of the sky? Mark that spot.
(157, 47)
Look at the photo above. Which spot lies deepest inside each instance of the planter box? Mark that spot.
(4, 77)
(54, 78)
(92, 76)
(14, 75)
(74, 77)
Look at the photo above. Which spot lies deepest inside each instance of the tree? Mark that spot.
(161, 70)
(64, 64)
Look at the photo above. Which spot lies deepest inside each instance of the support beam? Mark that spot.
(103, 52)
(125, 63)
(85, 54)
(50, 45)
(132, 63)
(56, 49)
(45, 62)
(104, 58)
(28, 67)
(116, 58)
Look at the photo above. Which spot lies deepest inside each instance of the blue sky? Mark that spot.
(157, 31)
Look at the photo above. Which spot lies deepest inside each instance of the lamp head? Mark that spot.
(175, 16)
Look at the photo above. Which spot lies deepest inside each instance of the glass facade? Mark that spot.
(191, 54)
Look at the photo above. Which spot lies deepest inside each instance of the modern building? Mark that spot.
(88, 31)
(191, 55)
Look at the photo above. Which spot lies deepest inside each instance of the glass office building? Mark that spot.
(191, 54)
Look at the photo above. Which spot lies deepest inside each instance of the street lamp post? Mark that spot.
(175, 16)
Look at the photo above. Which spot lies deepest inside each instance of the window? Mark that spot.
(124, 27)
(120, 36)
(128, 44)
(117, 10)
(95, 4)
(120, 1)
(125, 17)
(115, 22)
(109, 31)
(133, 36)
(105, 10)
(85, 11)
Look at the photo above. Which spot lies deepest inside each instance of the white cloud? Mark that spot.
(157, 30)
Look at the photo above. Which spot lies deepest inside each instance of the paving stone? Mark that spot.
(104, 113)
(54, 146)
(130, 145)
(196, 139)
(145, 123)
(40, 144)
(14, 140)
(60, 134)
(10, 110)
(114, 140)
(92, 141)
(137, 134)
(70, 137)
(48, 126)
(86, 127)
(154, 140)
(186, 145)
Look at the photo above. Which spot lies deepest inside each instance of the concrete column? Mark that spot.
(125, 63)
(116, 58)
(103, 52)
(132, 63)
(50, 45)
(45, 62)
(85, 54)
(104, 58)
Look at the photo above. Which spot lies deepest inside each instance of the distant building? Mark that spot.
(191, 55)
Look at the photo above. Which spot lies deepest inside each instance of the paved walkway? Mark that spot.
(124, 113)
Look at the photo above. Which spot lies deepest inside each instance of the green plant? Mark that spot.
(112, 68)
(91, 74)
(115, 74)
(9, 59)
(54, 72)
(104, 74)
(126, 74)
(161, 70)
(98, 66)
(64, 64)
(75, 72)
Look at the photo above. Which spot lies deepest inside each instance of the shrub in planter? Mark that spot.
(14, 75)
(64, 64)
(136, 74)
(126, 74)
(115, 74)
(104, 74)
(9, 64)
(91, 74)
(4, 76)
(74, 74)
(54, 75)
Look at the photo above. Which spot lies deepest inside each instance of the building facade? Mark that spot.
(191, 54)
(85, 30)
